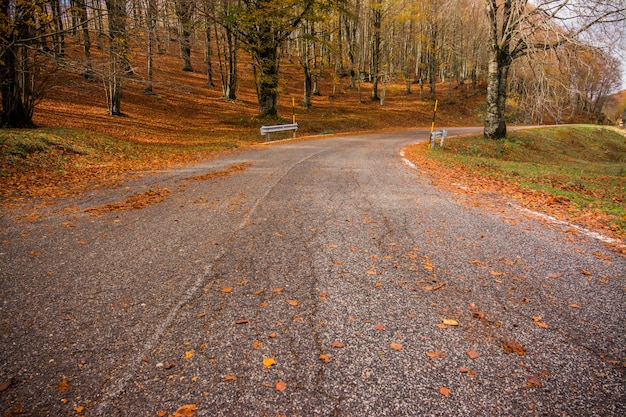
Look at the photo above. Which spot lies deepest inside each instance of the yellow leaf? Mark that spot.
(267, 362)
(79, 409)
(450, 322)
(189, 354)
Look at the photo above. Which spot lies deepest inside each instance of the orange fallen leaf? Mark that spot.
(256, 345)
(292, 302)
(227, 289)
(450, 322)
(441, 326)
(379, 326)
(378, 284)
(472, 354)
(323, 295)
(161, 413)
(187, 410)
(280, 386)
(242, 321)
(539, 323)
(244, 282)
(230, 378)
(259, 292)
(63, 386)
(199, 315)
(444, 391)
(325, 358)
(79, 408)
(396, 346)
(276, 290)
(574, 305)
(436, 354)
(511, 346)
(272, 335)
(267, 362)
(554, 276)
(496, 273)
(585, 272)
(464, 370)
(189, 354)
(533, 381)
(337, 344)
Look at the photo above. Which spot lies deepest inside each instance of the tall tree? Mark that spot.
(519, 28)
(184, 11)
(118, 54)
(262, 26)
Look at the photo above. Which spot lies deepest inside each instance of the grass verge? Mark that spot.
(575, 173)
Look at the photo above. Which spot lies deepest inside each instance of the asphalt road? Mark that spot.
(311, 281)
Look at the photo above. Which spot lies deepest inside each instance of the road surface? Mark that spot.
(313, 278)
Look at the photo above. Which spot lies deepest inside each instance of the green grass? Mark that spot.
(583, 164)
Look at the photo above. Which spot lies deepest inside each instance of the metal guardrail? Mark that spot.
(437, 134)
(266, 130)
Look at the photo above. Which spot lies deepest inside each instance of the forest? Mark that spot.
(551, 60)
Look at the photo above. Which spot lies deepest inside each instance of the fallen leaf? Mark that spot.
(170, 365)
(161, 413)
(267, 362)
(323, 295)
(574, 305)
(6, 384)
(79, 408)
(230, 378)
(244, 282)
(473, 307)
(298, 319)
(292, 302)
(63, 386)
(189, 354)
(379, 326)
(256, 345)
(533, 381)
(199, 315)
(378, 284)
(242, 321)
(370, 272)
(444, 391)
(554, 276)
(259, 292)
(272, 335)
(227, 289)
(472, 354)
(187, 410)
(396, 346)
(450, 322)
(325, 358)
(511, 346)
(539, 323)
(436, 354)
(280, 386)
(441, 326)
(337, 344)
(585, 272)
(464, 370)
(276, 290)
(478, 315)
(496, 273)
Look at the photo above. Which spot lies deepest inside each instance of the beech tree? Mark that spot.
(519, 28)
(262, 26)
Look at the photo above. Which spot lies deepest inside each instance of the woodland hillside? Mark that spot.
(224, 63)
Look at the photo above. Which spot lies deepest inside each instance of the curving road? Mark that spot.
(312, 280)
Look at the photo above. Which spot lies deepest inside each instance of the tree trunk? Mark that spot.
(495, 123)
(375, 70)
(15, 73)
(266, 60)
(118, 47)
(184, 12)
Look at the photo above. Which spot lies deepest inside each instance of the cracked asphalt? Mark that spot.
(332, 257)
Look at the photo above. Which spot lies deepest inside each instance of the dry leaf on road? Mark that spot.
(436, 354)
(280, 386)
(396, 346)
(337, 344)
(267, 362)
(444, 391)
